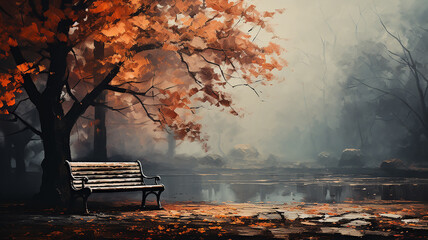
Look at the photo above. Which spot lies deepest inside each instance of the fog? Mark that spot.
(314, 105)
(303, 114)
(325, 100)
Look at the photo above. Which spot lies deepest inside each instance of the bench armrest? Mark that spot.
(84, 180)
(156, 178)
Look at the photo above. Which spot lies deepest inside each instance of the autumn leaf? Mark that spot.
(115, 30)
(4, 79)
(53, 16)
(193, 91)
(62, 37)
(273, 48)
(31, 33)
(100, 6)
(24, 68)
(141, 21)
(169, 47)
(12, 42)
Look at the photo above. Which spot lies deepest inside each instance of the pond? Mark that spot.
(287, 188)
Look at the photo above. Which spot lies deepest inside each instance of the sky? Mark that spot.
(317, 34)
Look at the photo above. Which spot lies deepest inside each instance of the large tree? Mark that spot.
(164, 55)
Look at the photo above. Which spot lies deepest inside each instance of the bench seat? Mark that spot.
(98, 177)
(96, 189)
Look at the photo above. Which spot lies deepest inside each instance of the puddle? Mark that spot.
(257, 188)
(285, 189)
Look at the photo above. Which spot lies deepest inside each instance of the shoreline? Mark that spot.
(193, 220)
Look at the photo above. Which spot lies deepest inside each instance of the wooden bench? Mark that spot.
(98, 177)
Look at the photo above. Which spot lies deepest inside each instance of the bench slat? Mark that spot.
(112, 172)
(112, 184)
(154, 187)
(112, 176)
(102, 164)
(108, 168)
(123, 186)
(110, 180)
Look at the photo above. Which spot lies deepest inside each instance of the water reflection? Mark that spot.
(286, 189)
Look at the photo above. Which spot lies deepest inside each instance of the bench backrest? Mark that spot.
(104, 174)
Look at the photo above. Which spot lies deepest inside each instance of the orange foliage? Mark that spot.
(175, 54)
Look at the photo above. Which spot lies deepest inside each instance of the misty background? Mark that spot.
(341, 90)
(320, 105)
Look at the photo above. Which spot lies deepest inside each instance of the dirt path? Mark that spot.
(123, 220)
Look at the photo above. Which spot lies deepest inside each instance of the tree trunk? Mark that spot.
(172, 143)
(20, 158)
(100, 131)
(6, 158)
(55, 188)
(20, 142)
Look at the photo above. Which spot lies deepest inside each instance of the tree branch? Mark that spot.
(145, 109)
(417, 115)
(29, 85)
(119, 110)
(136, 95)
(191, 74)
(145, 47)
(5, 12)
(411, 64)
(78, 108)
(124, 90)
(218, 66)
(17, 132)
(68, 89)
(28, 125)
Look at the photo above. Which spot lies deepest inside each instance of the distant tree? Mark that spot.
(14, 140)
(100, 131)
(200, 46)
(388, 94)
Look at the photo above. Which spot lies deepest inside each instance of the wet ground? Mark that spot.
(124, 220)
(292, 187)
(292, 204)
(284, 188)
(266, 185)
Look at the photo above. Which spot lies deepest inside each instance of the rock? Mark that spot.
(323, 156)
(326, 159)
(356, 223)
(212, 160)
(290, 215)
(269, 216)
(351, 157)
(343, 231)
(412, 220)
(391, 215)
(392, 164)
(244, 152)
(272, 161)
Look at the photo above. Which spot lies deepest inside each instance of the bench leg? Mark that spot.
(158, 199)
(85, 194)
(145, 194)
(85, 204)
(143, 200)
